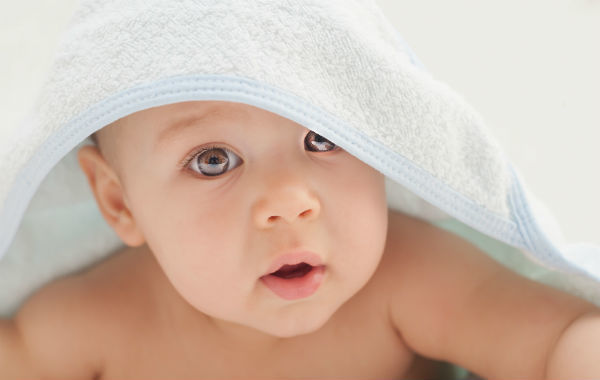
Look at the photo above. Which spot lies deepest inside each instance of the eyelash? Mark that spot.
(186, 161)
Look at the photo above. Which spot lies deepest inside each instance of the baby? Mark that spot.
(259, 249)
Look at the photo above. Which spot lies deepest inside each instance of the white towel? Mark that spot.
(338, 67)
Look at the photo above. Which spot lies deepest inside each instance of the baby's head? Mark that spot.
(219, 190)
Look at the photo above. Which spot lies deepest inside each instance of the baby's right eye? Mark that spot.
(213, 161)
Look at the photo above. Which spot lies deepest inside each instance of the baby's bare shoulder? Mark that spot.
(55, 331)
(68, 324)
(451, 301)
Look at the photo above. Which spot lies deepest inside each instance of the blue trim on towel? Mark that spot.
(536, 240)
(237, 89)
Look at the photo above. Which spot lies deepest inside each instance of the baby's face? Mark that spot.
(219, 199)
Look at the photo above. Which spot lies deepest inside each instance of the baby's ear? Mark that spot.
(108, 191)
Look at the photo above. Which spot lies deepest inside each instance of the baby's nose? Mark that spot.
(290, 205)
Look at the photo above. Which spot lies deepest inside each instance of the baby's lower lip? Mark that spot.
(298, 287)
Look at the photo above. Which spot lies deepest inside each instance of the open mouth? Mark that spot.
(292, 282)
(293, 271)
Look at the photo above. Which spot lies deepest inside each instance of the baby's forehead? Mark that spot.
(155, 127)
(151, 120)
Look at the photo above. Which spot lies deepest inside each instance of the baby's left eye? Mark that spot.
(315, 140)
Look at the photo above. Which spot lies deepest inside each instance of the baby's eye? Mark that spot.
(321, 143)
(213, 161)
(216, 160)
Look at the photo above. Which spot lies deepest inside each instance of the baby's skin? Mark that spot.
(193, 295)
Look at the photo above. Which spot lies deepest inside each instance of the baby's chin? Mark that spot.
(287, 329)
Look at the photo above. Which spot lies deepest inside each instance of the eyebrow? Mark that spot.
(181, 124)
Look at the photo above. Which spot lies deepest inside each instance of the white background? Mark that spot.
(531, 68)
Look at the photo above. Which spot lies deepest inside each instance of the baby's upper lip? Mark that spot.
(294, 257)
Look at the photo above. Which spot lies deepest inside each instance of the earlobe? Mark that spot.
(127, 229)
(108, 192)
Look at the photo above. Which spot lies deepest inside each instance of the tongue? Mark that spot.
(292, 271)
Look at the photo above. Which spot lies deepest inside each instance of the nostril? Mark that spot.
(302, 214)
(307, 212)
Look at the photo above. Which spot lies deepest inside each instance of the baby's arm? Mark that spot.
(44, 340)
(454, 303)
(576, 354)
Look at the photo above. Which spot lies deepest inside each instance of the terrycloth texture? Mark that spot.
(338, 67)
